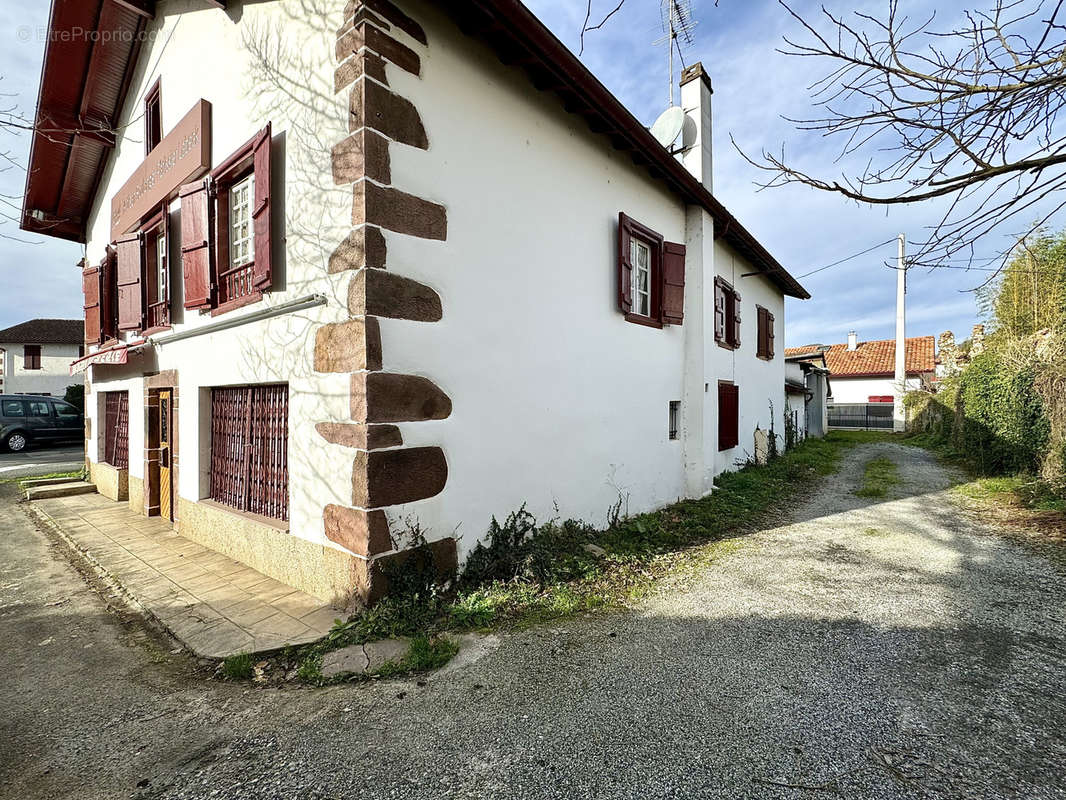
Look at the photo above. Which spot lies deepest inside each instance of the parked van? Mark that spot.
(37, 419)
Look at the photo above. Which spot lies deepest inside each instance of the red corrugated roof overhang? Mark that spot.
(88, 60)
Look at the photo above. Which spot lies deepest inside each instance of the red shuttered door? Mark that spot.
(728, 415)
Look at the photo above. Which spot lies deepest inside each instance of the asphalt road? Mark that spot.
(861, 649)
(40, 460)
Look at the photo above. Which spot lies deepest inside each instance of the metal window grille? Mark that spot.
(675, 413)
(249, 449)
(116, 429)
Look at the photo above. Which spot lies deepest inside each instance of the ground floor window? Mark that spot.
(249, 448)
(116, 429)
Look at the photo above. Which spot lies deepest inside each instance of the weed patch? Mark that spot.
(238, 667)
(879, 475)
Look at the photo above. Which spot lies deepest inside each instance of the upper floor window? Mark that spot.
(726, 314)
(241, 240)
(231, 210)
(765, 347)
(31, 356)
(651, 275)
(153, 120)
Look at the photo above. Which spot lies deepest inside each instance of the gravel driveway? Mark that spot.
(864, 649)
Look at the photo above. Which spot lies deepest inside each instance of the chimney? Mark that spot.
(977, 340)
(696, 134)
(853, 341)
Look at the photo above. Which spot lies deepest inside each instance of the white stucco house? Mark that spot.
(35, 356)
(864, 372)
(407, 264)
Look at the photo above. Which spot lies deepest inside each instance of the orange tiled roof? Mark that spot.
(874, 358)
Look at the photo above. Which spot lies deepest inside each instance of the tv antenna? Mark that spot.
(677, 25)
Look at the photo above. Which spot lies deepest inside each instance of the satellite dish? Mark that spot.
(668, 126)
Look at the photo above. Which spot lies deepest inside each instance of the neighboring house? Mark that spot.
(808, 389)
(865, 372)
(35, 356)
(496, 288)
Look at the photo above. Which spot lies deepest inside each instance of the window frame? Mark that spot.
(629, 229)
(153, 116)
(764, 340)
(731, 315)
(116, 431)
(673, 432)
(31, 357)
(227, 175)
(155, 228)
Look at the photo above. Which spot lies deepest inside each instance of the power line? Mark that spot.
(849, 258)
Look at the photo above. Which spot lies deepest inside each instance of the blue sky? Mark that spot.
(754, 87)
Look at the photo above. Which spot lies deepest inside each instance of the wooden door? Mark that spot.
(165, 491)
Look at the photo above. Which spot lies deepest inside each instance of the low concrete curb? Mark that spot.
(67, 489)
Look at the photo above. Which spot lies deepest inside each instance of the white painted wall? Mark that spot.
(559, 403)
(859, 390)
(203, 52)
(52, 378)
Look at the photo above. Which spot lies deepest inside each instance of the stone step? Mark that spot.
(30, 483)
(68, 489)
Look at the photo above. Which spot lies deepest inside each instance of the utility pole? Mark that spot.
(899, 417)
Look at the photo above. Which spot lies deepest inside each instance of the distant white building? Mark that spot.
(35, 356)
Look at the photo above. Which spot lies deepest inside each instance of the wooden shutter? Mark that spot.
(728, 415)
(673, 290)
(736, 319)
(109, 294)
(769, 335)
(130, 255)
(90, 286)
(261, 270)
(719, 311)
(761, 345)
(196, 244)
(625, 266)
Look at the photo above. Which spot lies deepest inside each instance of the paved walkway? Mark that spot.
(214, 605)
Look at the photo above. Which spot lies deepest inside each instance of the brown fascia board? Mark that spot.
(518, 37)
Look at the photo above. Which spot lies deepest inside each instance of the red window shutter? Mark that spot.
(109, 294)
(736, 319)
(719, 312)
(196, 244)
(760, 346)
(769, 335)
(261, 270)
(90, 285)
(625, 266)
(728, 414)
(130, 256)
(673, 283)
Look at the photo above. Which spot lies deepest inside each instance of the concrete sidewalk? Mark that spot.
(215, 606)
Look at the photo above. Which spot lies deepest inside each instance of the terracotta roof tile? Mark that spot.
(874, 358)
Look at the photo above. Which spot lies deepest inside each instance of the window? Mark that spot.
(66, 410)
(39, 408)
(231, 211)
(116, 429)
(157, 269)
(675, 414)
(651, 275)
(31, 356)
(765, 347)
(640, 254)
(13, 408)
(153, 121)
(726, 314)
(249, 449)
(728, 415)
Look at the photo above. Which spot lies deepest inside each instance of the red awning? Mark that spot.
(112, 355)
